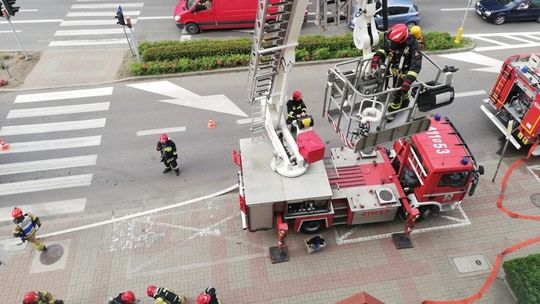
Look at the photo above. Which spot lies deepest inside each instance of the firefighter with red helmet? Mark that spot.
(26, 227)
(126, 297)
(167, 148)
(405, 62)
(295, 108)
(40, 297)
(163, 295)
(208, 296)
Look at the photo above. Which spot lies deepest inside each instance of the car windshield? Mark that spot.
(508, 2)
(190, 3)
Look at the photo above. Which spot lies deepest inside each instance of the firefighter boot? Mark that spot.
(177, 171)
(168, 169)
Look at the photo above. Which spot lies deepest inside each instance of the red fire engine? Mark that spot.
(516, 97)
(285, 180)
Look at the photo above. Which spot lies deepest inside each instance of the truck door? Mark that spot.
(204, 13)
(450, 186)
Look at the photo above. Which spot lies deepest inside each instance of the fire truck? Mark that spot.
(287, 181)
(516, 97)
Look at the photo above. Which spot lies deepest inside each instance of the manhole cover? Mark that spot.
(471, 263)
(535, 199)
(52, 254)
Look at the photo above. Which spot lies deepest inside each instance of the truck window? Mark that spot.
(454, 179)
(190, 3)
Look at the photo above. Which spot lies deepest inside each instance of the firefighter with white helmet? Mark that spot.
(168, 154)
(26, 227)
(405, 62)
(163, 295)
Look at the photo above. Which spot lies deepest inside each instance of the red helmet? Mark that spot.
(151, 290)
(296, 95)
(163, 138)
(30, 297)
(203, 298)
(128, 297)
(16, 212)
(398, 33)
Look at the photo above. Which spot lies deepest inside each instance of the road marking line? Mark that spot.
(160, 131)
(515, 46)
(48, 164)
(457, 9)
(516, 38)
(54, 144)
(105, 5)
(88, 42)
(45, 111)
(89, 32)
(6, 32)
(499, 34)
(154, 17)
(34, 21)
(470, 93)
(46, 184)
(139, 214)
(530, 36)
(64, 95)
(46, 209)
(243, 121)
(101, 14)
(29, 10)
(491, 41)
(53, 127)
(91, 22)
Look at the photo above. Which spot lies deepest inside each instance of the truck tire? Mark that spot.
(426, 212)
(192, 28)
(312, 227)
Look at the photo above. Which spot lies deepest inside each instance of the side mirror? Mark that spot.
(481, 170)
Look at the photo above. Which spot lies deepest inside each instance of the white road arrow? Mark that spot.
(186, 98)
(493, 65)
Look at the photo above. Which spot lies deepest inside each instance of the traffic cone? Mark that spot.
(211, 124)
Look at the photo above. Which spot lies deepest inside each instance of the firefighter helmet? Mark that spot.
(128, 297)
(296, 95)
(204, 298)
(151, 290)
(163, 138)
(16, 212)
(30, 298)
(415, 31)
(398, 33)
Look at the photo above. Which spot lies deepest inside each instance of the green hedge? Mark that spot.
(173, 56)
(523, 276)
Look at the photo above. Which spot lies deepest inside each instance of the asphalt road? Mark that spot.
(64, 25)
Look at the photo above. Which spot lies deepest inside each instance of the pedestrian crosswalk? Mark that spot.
(93, 23)
(499, 41)
(27, 172)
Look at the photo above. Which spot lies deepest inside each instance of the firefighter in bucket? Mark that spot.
(297, 117)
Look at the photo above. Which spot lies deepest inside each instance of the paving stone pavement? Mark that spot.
(201, 244)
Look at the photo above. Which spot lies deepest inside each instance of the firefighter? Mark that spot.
(168, 154)
(164, 296)
(26, 226)
(40, 297)
(295, 109)
(126, 297)
(416, 32)
(405, 63)
(208, 296)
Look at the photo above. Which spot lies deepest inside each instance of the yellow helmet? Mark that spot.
(416, 31)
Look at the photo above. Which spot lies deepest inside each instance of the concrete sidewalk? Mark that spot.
(64, 68)
(202, 244)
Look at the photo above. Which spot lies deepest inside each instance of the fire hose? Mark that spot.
(498, 260)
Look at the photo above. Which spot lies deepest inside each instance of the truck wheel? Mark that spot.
(192, 28)
(312, 227)
(426, 212)
(499, 20)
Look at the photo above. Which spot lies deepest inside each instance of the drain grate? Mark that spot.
(535, 199)
(471, 264)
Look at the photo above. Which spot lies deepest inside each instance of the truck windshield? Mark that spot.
(454, 179)
(190, 3)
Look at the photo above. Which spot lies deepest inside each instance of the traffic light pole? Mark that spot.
(8, 17)
(127, 39)
(134, 42)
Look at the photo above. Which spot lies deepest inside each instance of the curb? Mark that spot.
(210, 72)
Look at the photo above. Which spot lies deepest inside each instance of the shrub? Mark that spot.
(523, 276)
(322, 54)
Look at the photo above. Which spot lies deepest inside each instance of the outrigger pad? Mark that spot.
(278, 254)
(402, 241)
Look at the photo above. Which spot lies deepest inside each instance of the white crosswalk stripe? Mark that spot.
(46, 184)
(64, 95)
(53, 127)
(46, 111)
(53, 144)
(499, 41)
(48, 164)
(45, 209)
(100, 14)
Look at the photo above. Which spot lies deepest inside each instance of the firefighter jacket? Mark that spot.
(44, 297)
(168, 150)
(405, 59)
(294, 108)
(167, 296)
(26, 225)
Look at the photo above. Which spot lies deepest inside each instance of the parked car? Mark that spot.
(501, 11)
(399, 11)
